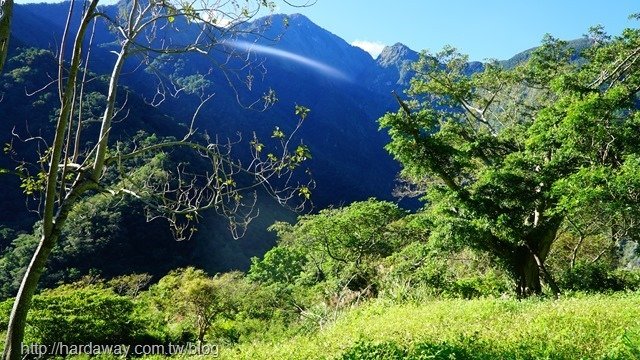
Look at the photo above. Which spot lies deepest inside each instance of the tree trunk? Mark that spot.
(17, 321)
(5, 30)
(51, 225)
(529, 261)
(528, 276)
(22, 303)
(202, 331)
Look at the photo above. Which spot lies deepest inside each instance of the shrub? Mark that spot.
(280, 264)
(80, 316)
(465, 350)
(593, 277)
(583, 326)
(368, 351)
(464, 274)
(443, 351)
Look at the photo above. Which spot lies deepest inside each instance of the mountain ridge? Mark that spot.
(349, 161)
(348, 164)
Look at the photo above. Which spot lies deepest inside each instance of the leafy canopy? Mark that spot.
(504, 156)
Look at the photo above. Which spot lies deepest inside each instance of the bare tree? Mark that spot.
(148, 28)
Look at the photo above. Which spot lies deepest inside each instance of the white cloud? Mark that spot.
(217, 18)
(372, 47)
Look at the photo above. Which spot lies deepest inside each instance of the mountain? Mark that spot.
(299, 35)
(392, 70)
(304, 64)
(349, 161)
(307, 65)
(346, 90)
(577, 45)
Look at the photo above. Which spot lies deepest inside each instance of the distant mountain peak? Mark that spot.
(299, 17)
(395, 54)
(283, 21)
(399, 46)
(300, 37)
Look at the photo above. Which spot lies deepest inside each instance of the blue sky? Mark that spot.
(482, 29)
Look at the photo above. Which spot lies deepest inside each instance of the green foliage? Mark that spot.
(188, 297)
(368, 351)
(629, 347)
(331, 256)
(101, 229)
(198, 306)
(96, 223)
(193, 84)
(581, 327)
(391, 350)
(81, 315)
(5, 311)
(14, 261)
(505, 156)
(462, 274)
(33, 184)
(129, 285)
(302, 111)
(596, 277)
(28, 64)
(277, 133)
(338, 258)
(349, 234)
(6, 234)
(280, 264)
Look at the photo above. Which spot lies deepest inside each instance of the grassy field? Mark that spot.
(576, 327)
(579, 327)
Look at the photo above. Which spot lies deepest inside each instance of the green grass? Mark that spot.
(576, 327)
(580, 327)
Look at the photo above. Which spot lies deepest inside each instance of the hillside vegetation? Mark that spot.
(581, 327)
(576, 327)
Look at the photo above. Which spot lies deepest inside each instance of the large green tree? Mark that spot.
(505, 156)
(340, 247)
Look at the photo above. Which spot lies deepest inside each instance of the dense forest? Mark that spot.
(176, 201)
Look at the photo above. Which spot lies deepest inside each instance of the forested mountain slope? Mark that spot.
(301, 63)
